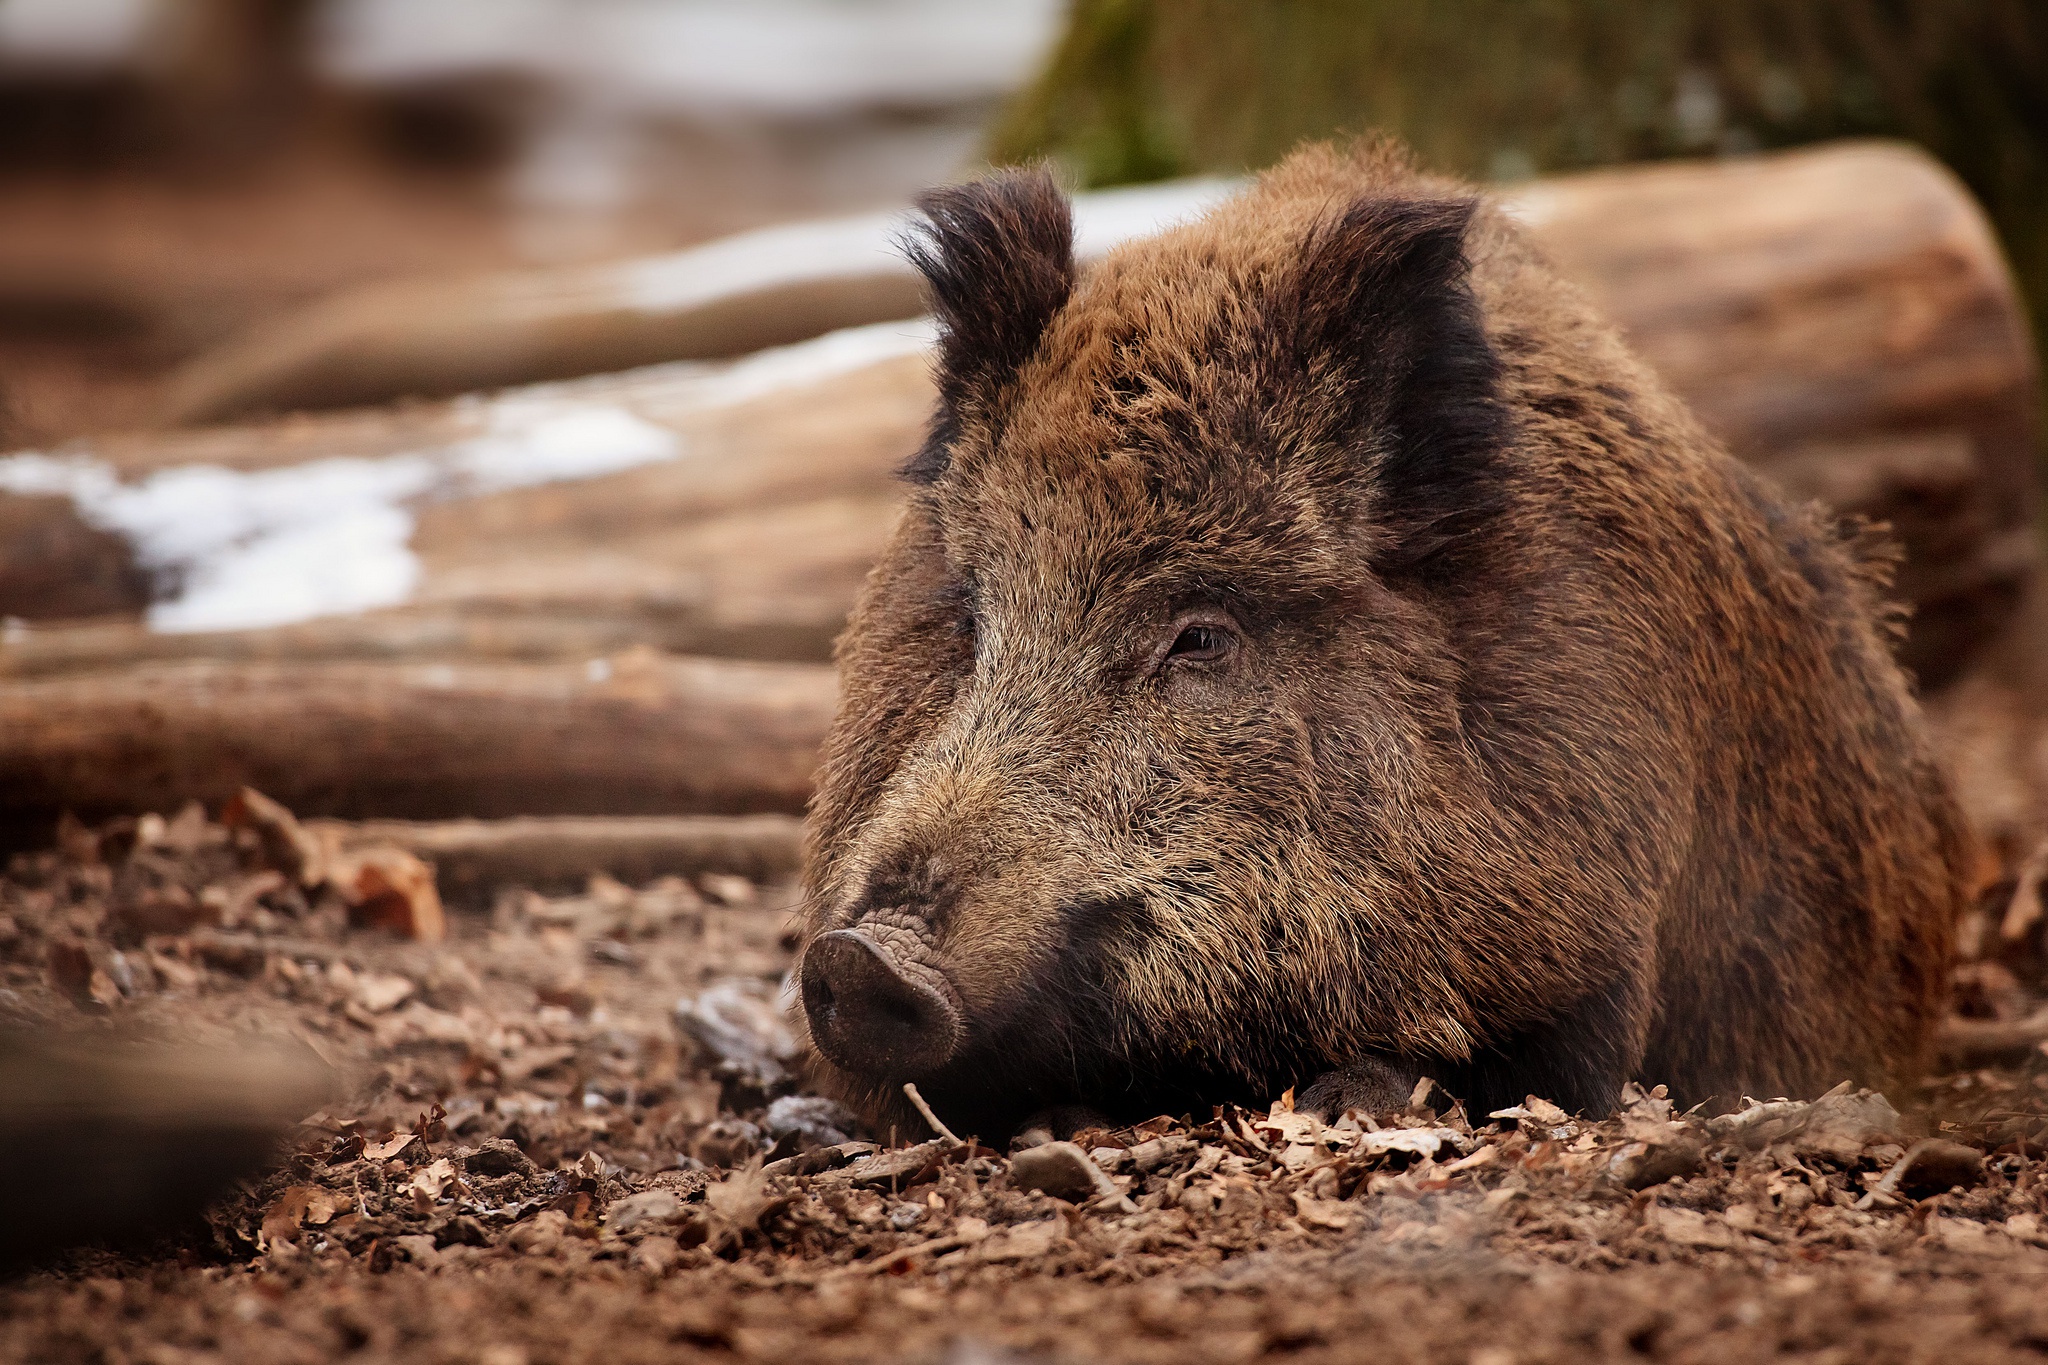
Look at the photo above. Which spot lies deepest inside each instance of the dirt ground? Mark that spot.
(572, 1132)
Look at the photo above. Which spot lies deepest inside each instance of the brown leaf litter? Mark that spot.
(573, 1130)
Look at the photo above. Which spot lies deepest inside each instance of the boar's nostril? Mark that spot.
(868, 1015)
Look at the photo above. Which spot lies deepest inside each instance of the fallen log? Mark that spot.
(757, 289)
(121, 1141)
(1966, 1043)
(342, 514)
(1840, 315)
(772, 583)
(557, 853)
(1843, 318)
(637, 733)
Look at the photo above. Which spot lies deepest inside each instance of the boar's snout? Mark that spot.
(871, 1014)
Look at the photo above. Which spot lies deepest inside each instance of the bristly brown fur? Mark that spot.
(1552, 750)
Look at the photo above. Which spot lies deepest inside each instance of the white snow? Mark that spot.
(867, 244)
(789, 254)
(80, 35)
(242, 550)
(1106, 219)
(778, 57)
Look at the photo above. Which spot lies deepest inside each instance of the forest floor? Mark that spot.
(569, 1132)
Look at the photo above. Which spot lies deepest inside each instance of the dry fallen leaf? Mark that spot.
(388, 888)
(287, 844)
(431, 1179)
(727, 889)
(384, 1151)
(1416, 1141)
(298, 1207)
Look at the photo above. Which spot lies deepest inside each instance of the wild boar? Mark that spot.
(1317, 653)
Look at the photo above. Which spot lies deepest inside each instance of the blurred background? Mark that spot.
(172, 169)
(352, 349)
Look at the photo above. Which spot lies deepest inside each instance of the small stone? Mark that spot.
(1063, 1171)
(739, 1023)
(639, 1210)
(813, 1119)
(498, 1157)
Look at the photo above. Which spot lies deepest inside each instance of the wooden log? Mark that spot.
(822, 425)
(773, 584)
(129, 1140)
(1840, 315)
(1964, 1043)
(554, 853)
(638, 733)
(762, 288)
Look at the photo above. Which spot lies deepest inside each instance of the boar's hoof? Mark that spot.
(868, 1015)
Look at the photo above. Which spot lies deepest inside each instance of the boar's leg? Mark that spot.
(1373, 1084)
(1057, 1124)
(1577, 1060)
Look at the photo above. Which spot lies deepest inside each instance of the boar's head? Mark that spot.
(1154, 778)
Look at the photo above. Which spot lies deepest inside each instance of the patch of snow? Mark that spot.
(1106, 219)
(867, 244)
(79, 35)
(864, 244)
(240, 550)
(532, 441)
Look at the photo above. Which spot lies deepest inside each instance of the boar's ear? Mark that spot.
(997, 256)
(1389, 328)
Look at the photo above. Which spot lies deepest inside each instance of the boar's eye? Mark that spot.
(1201, 643)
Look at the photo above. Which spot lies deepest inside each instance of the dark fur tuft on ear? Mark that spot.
(997, 256)
(1387, 316)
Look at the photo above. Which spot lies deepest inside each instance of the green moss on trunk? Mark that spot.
(1146, 89)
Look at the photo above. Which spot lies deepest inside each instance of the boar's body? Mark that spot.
(1317, 653)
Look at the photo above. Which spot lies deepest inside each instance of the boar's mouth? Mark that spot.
(882, 1012)
(875, 1013)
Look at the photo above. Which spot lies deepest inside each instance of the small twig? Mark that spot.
(939, 1246)
(929, 1117)
(1973, 1042)
(1890, 1181)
